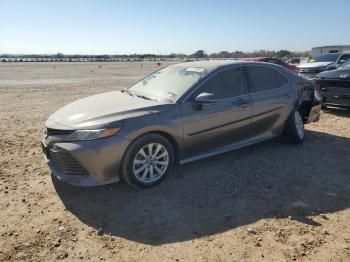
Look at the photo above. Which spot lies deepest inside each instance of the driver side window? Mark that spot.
(225, 84)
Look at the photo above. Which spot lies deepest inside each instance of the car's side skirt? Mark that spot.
(228, 148)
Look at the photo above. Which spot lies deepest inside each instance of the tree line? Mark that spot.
(200, 54)
(259, 53)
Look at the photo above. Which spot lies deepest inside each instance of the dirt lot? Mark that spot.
(270, 202)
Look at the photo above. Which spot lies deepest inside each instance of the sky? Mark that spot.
(170, 26)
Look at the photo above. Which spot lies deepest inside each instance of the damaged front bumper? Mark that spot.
(86, 163)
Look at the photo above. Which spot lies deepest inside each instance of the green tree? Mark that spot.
(199, 54)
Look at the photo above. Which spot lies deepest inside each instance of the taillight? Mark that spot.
(318, 89)
(318, 93)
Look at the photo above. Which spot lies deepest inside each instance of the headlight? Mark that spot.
(344, 76)
(91, 134)
(44, 132)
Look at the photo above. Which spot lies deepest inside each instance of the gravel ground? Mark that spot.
(269, 202)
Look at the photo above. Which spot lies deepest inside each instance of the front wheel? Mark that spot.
(147, 161)
(294, 128)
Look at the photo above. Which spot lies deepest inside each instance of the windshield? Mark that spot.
(346, 65)
(168, 83)
(325, 58)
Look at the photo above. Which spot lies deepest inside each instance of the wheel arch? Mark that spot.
(168, 136)
(304, 108)
(164, 134)
(172, 141)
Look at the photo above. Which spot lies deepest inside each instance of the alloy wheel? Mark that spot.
(151, 162)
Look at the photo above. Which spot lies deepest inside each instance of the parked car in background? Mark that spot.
(335, 85)
(273, 60)
(322, 63)
(183, 112)
(294, 60)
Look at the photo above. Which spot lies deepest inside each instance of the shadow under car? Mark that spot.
(270, 179)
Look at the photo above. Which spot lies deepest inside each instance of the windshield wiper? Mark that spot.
(128, 92)
(145, 97)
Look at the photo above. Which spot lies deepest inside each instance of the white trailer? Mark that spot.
(315, 51)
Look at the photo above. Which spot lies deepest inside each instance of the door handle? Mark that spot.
(286, 95)
(244, 105)
(241, 103)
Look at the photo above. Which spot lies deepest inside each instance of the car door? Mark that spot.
(272, 96)
(210, 127)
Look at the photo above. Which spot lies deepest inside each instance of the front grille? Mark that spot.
(51, 132)
(334, 83)
(310, 70)
(65, 163)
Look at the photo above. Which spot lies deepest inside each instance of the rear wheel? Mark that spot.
(294, 128)
(147, 161)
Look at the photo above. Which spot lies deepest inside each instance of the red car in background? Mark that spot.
(273, 60)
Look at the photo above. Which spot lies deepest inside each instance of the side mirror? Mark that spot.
(204, 99)
(342, 61)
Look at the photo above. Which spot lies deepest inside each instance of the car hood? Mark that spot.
(100, 110)
(314, 64)
(336, 74)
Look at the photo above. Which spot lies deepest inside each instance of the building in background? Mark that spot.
(315, 51)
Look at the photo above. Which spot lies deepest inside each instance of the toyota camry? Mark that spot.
(178, 114)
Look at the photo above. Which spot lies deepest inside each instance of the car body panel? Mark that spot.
(215, 125)
(271, 108)
(98, 110)
(98, 157)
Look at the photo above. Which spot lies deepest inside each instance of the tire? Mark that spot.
(294, 128)
(147, 161)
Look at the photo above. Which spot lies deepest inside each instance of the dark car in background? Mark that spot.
(295, 60)
(183, 113)
(273, 60)
(335, 85)
(322, 63)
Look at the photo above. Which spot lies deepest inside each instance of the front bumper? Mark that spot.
(336, 100)
(309, 75)
(86, 163)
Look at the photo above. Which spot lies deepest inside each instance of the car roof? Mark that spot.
(258, 58)
(211, 65)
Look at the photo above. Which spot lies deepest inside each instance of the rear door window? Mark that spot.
(262, 78)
